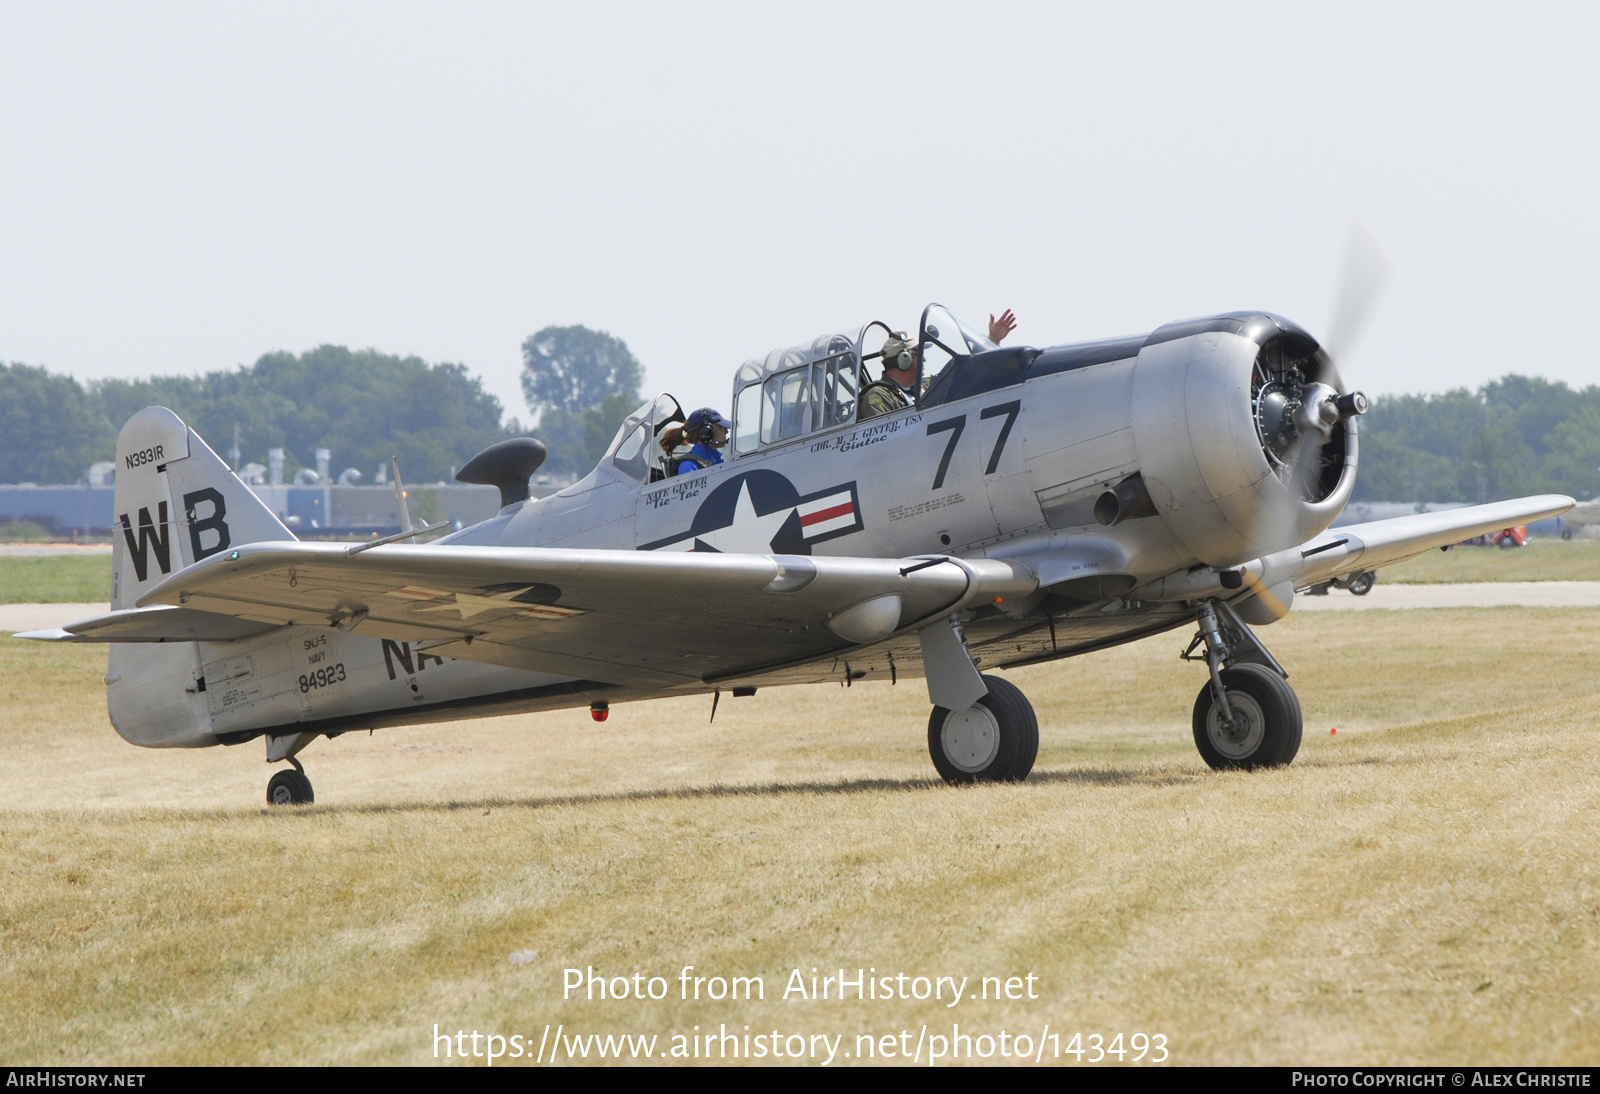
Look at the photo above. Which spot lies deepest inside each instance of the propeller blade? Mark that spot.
(1366, 269)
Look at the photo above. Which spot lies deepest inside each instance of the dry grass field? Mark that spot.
(1421, 887)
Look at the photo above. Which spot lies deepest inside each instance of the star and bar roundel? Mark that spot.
(761, 513)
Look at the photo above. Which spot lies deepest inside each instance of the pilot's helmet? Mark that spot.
(698, 427)
(897, 352)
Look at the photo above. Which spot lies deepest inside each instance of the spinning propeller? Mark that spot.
(1366, 268)
(1299, 400)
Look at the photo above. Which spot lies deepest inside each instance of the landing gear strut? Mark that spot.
(994, 740)
(290, 787)
(1247, 716)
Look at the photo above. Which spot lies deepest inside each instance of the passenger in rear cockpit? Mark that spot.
(707, 431)
(676, 448)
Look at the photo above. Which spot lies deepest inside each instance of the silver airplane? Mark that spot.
(1581, 515)
(1029, 505)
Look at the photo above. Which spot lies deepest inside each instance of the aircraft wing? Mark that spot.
(634, 617)
(1355, 548)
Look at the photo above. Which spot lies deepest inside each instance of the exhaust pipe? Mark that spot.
(1128, 500)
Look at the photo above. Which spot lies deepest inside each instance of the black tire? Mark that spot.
(1507, 541)
(1269, 710)
(997, 740)
(1566, 533)
(1362, 584)
(289, 788)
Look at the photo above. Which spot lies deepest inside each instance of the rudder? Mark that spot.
(176, 503)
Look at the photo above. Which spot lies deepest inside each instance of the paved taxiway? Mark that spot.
(41, 550)
(1483, 594)
(1529, 594)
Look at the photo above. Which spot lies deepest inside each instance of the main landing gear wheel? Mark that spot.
(1266, 721)
(994, 740)
(290, 788)
(1362, 584)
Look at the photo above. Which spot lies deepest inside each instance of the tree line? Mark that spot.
(1513, 436)
(362, 405)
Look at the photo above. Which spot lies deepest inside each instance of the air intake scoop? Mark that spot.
(506, 465)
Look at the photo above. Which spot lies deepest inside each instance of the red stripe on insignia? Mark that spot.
(828, 514)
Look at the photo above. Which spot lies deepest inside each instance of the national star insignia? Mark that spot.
(468, 605)
(749, 533)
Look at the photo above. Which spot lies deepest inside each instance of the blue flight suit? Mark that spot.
(699, 457)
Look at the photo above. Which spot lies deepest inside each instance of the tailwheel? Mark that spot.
(1266, 724)
(290, 788)
(994, 740)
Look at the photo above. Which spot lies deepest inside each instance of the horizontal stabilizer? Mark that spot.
(161, 623)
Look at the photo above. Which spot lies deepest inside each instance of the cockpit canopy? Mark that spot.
(806, 389)
(796, 392)
(636, 450)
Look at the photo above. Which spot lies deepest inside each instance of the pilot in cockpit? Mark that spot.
(892, 391)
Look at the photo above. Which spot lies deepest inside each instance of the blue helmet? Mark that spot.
(698, 427)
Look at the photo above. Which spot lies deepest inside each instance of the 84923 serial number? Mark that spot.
(333, 674)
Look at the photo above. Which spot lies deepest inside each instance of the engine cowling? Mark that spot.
(1245, 444)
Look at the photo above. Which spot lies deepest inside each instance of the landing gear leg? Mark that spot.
(1247, 716)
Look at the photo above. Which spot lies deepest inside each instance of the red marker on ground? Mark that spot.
(1333, 732)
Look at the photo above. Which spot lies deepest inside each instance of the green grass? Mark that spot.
(23, 531)
(55, 579)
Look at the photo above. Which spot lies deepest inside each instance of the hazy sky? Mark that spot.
(186, 187)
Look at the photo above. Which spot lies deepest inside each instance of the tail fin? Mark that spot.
(176, 503)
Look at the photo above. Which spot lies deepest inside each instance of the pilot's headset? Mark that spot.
(698, 430)
(897, 353)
